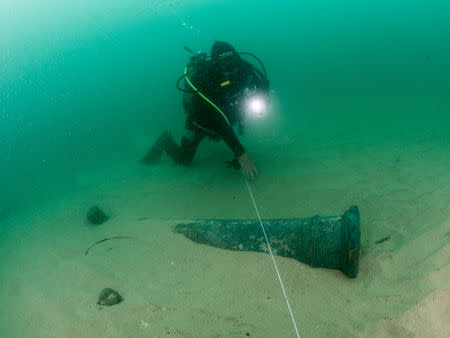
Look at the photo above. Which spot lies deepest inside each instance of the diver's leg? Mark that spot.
(179, 154)
(189, 144)
(154, 154)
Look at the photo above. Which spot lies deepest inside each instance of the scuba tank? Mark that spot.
(201, 61)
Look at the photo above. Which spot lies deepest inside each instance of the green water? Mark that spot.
(86, 86)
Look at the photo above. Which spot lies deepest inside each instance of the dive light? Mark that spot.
(256, 104)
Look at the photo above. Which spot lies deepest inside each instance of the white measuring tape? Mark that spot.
(273, 258)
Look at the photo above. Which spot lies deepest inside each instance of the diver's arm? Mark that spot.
(247, 166)
(228, 135)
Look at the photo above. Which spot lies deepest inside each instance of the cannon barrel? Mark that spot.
(331, 242)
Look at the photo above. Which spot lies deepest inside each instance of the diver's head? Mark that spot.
(225, 56)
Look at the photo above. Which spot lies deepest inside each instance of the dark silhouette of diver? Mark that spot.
(219, 91)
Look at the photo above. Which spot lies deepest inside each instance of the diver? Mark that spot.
(219, 91)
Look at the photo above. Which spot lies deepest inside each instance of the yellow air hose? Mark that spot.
(205, 98)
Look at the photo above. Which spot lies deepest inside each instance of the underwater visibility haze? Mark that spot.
(359, 115)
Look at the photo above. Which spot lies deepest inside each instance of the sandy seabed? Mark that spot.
(176, 288)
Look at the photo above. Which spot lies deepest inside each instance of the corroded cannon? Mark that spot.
(328, 242)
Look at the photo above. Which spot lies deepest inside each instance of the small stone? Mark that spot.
(109, 297)
(144, 324)
(96, 216)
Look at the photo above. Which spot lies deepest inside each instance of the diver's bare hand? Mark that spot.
(247, 166)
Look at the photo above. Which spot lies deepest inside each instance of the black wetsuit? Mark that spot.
(225, 90)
